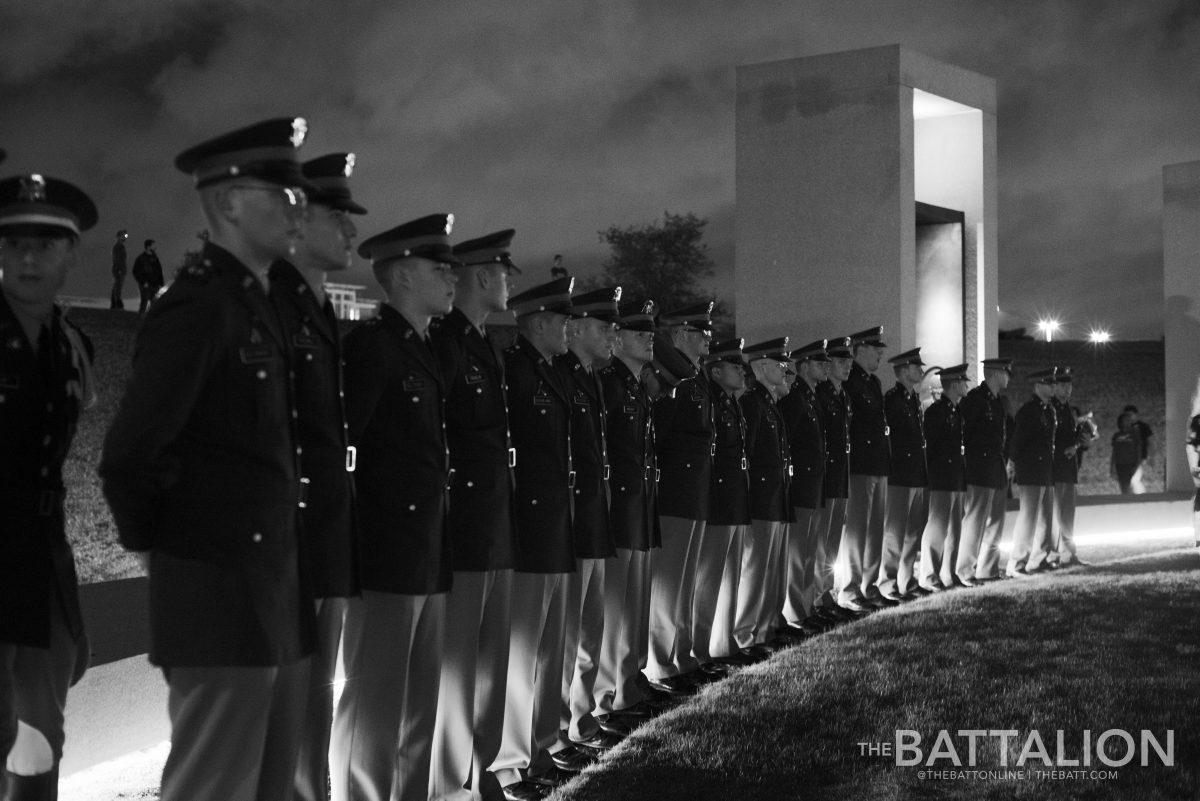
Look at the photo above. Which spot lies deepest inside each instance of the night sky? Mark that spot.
(562, 118)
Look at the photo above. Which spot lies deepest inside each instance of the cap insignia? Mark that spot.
(299, 131)
(349, 165)
(449, 223)
(33, 189)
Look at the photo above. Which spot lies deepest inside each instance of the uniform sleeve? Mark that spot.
(1022, 430)
(366, 378)
(175, 353)
(752, 411)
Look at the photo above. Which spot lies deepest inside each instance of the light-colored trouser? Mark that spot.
(758, 601)
(803, 544)
(312, 766)
(672, 586)
(862, 537)
(33, 694)
(721, 641)
(939, 541)
(383, 728)
(470, 713)
(535, 668)
(718, 546)
(1064, 521)
(831, 518)
(626, 630)
(984, 509)
(903, 521)
(582, 640)
(1028, 548)
(235, 732)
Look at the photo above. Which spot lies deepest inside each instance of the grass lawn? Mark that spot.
(1113, 646)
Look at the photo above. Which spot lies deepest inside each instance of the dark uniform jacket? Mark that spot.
(806, 435)
(394, 404)
(634, 481)
(729, 491)
(834, 406)
(147, 269)
(201, 467)
(1066, 468)
(540, 414)
(906, 467)
(768, 451)
(589, 452)
(41, 395)
(868, 426)
(944, 441)
(985, 438)
(479, 525)
(683, 421)
(330, 534)
(1032, 449)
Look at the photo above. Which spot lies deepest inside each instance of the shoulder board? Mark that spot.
(197, 273)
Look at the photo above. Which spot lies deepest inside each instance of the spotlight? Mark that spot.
(1048, 327)
(1099, 336)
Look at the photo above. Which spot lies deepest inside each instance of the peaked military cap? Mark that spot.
(1046, 376)
(998, 364)
(265, 150)
(37, 201)
(697, 316)
(426, 238)
(839, 348)
(552, 296)
(729, 350)
(871, 336)
(908, 357)
(1063, 375)
(600, 304)
(327, 176)
(812, 352)
(636, 315)
(775, 349)
(669, 363)
(956, 373)
(489, 249)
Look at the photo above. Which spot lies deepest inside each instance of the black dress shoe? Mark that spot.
(573, 758)
(526, 790)
(856, 606)
(674, 685)
(967, 582)
(734, 660)
(1075, 561)
(716, 669)
(620, 725)
(873, 599)
(600, 741)
(814, 625)
(834, 613)
(553, 778)
(758, 653)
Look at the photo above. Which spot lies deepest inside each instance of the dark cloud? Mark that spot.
(561, 118)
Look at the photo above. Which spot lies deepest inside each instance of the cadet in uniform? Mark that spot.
(907, 503)
(1068, 440)
(806, 444)
(684, 425)
(1032, 454)
(715, 605)
(590, 335)
(760, 588)
(201, 469)
(45, 382)
(395, 396)
(310, 324)
(947, 482)
(633, 517)
(985, 443)
(539, 407)
(479, 525)
(862, 539)
(834, 406)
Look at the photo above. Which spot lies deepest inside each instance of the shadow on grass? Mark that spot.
(1081, 650)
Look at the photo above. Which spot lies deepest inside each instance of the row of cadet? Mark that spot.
(517, 557)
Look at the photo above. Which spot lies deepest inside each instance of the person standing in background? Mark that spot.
(147, 271)
(118, 271)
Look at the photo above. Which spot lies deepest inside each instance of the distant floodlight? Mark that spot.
(1049, 327)
(1099, 336)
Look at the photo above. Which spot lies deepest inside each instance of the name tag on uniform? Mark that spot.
(255, 354)
(413, 383)
(629, 408)
(304, 341)
(542, 400)
(10, 382)
(582, 400)
(697, 395)
(474, 377)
